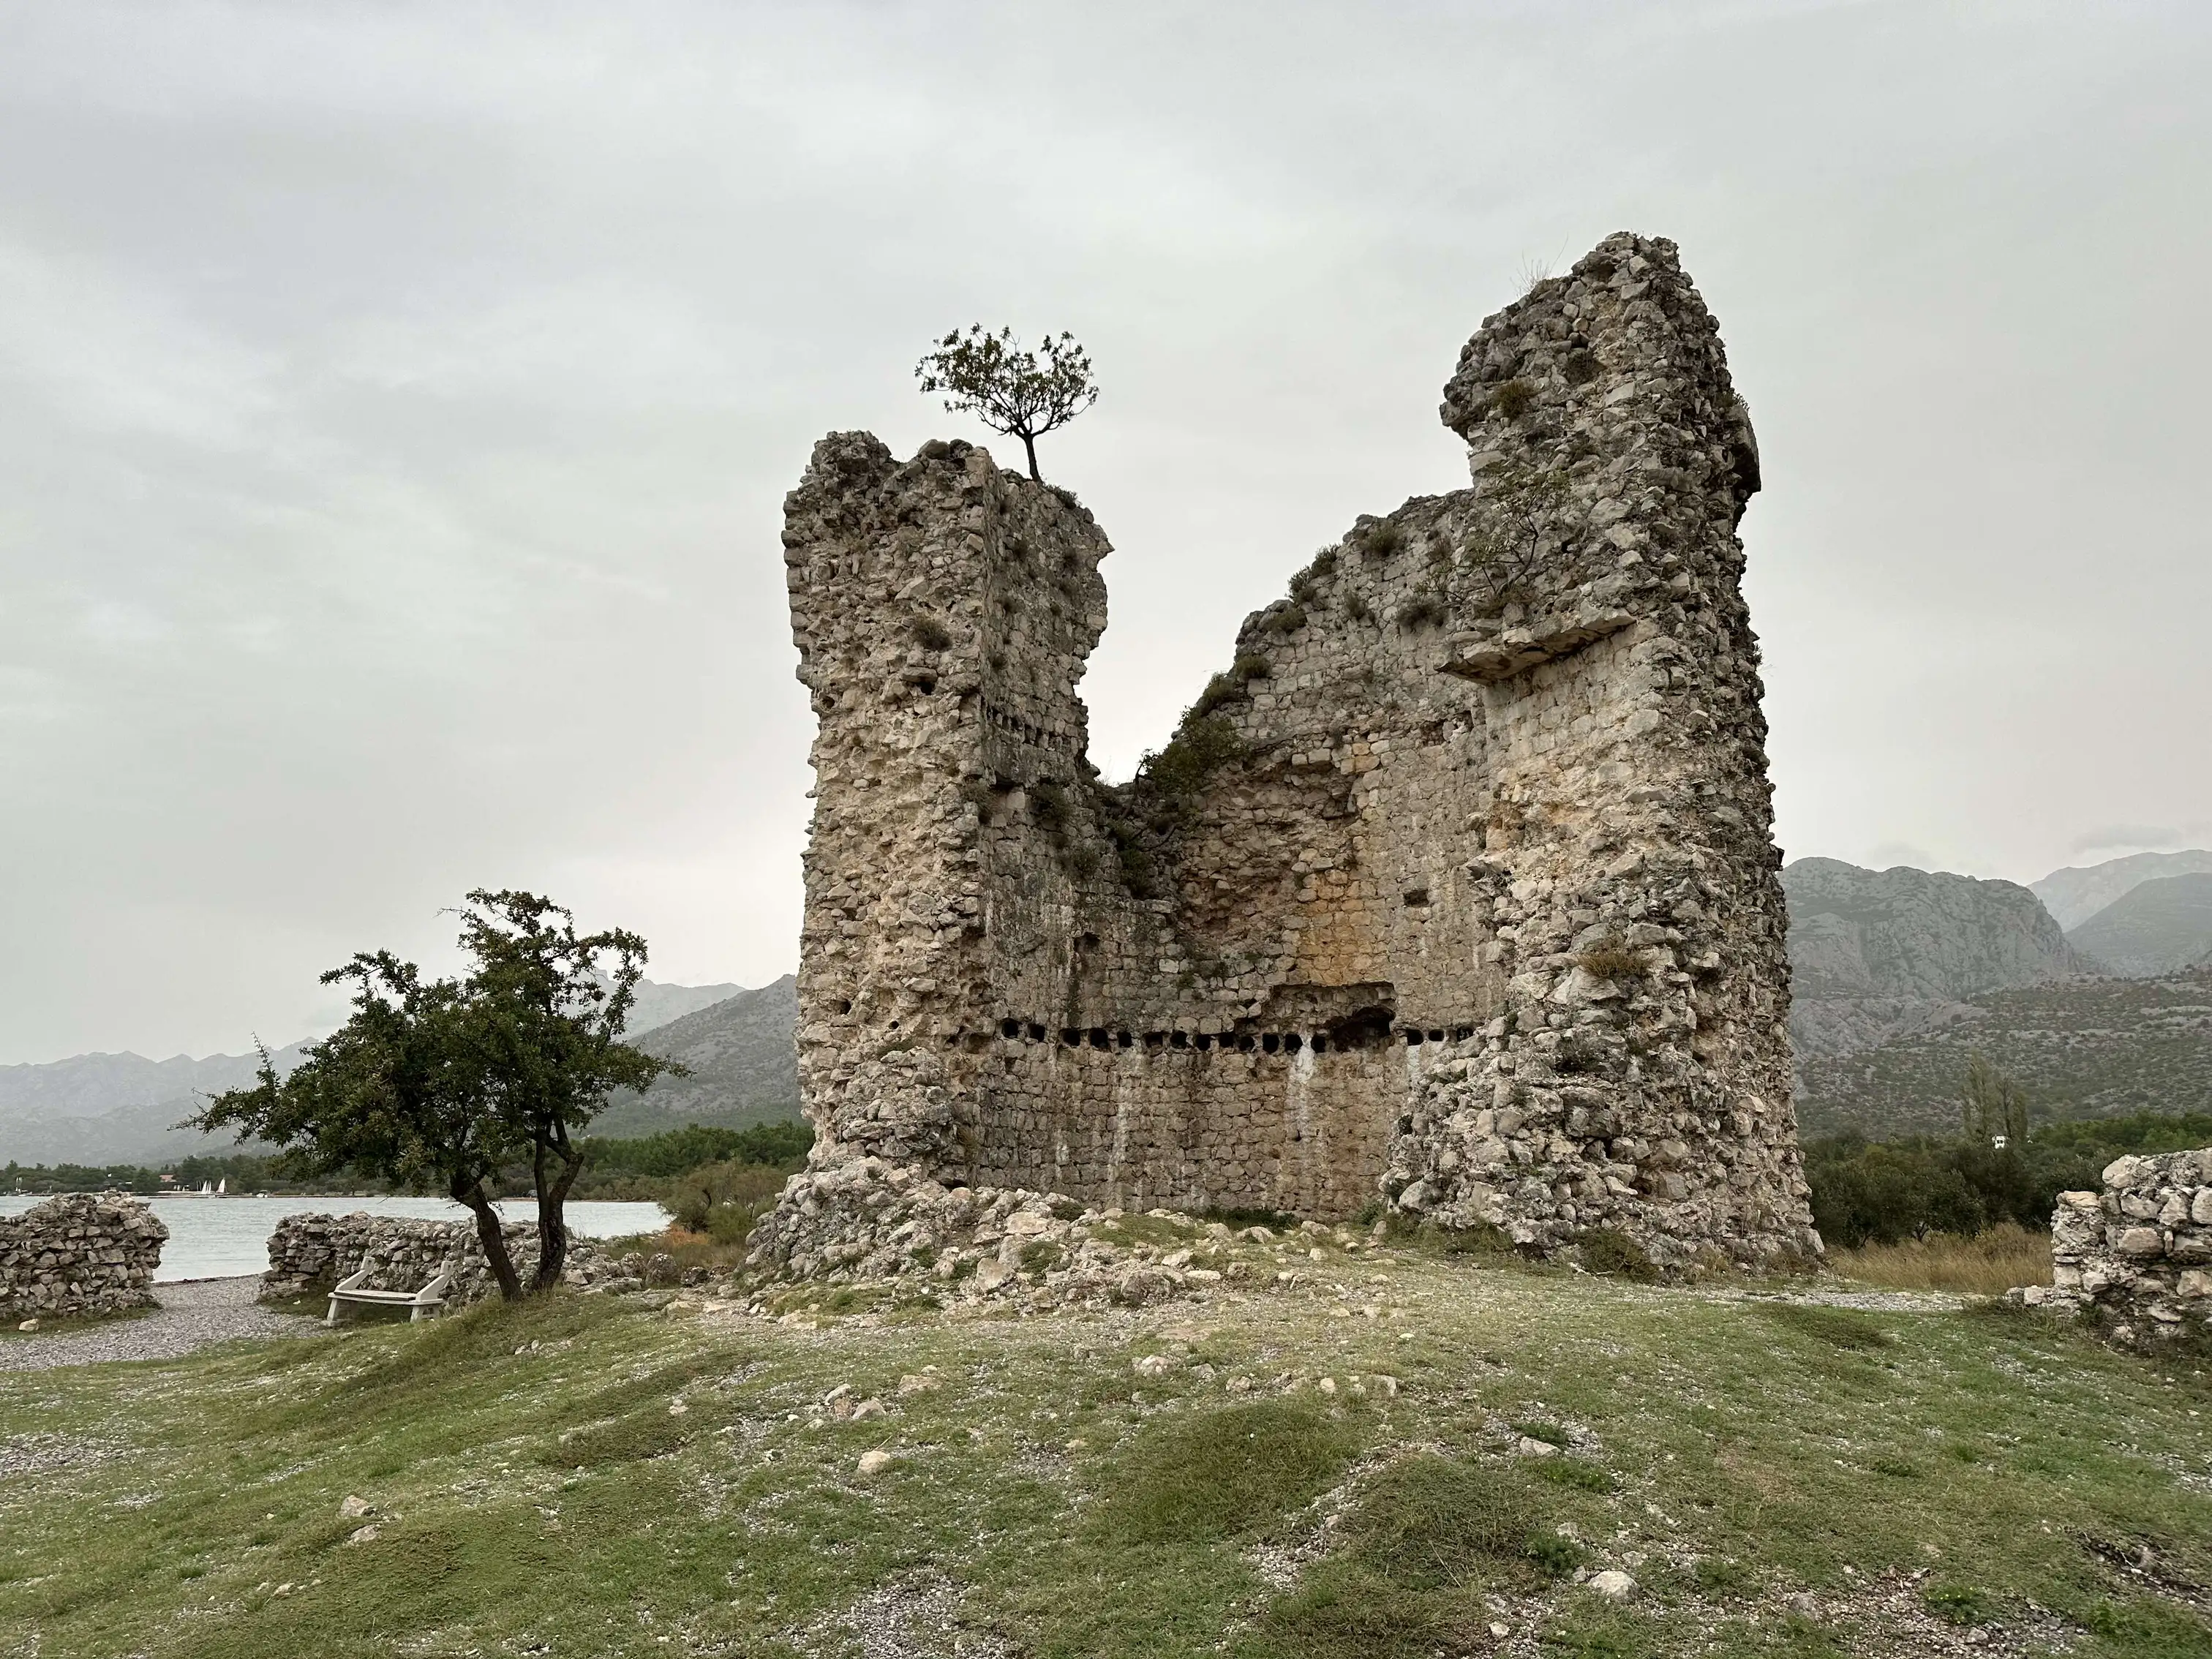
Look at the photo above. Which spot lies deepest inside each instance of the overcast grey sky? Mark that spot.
(395, 403)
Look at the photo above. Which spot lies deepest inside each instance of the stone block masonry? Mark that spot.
(79, 1254)
(2140, 1252)
(310, 1252)
(1455, 893)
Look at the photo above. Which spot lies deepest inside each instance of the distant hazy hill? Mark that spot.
(2074, 895)
(2154, 928)
(654, 1005)
(110, 1109)
(117, 1109)
(1875, 953)
(2082, 1048)
(744, 1066)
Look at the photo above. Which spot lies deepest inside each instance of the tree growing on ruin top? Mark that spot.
(1022, 394)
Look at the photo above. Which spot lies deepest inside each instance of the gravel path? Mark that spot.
(194, 1313)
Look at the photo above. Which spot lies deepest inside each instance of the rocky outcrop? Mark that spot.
(1454, 892)
(79, 1254)
(2156, 928)
(1876, 954)
(2139, 1253)
(310, 1252)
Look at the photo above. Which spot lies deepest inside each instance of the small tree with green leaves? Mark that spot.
(1993, 1105)
(1023, 394)
(438, 1086)
(1527, 509)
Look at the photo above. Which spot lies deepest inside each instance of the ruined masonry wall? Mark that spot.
(310, 1252)
(2139, 1251)
(81, 1252)
(1456, 891)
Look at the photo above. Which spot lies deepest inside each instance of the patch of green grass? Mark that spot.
(1339, 1612)
(1077, 1523)
(1222, 1474)
(1575, 1471)
(1427, 1522)
(1839, 1328)
(1958, 1604)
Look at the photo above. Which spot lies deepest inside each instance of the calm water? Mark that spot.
(217, 1237)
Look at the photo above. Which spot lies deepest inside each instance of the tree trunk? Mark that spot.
(552, 1225)
(1029, 443)
(472, 1193)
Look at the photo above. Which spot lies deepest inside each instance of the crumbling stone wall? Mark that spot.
(310, 1252)
(1454, 891)
(81, 1252)
(2139, 1251)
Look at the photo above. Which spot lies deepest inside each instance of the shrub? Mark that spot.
(930, 633)
(1221, 689)
(1202, 746)
(1611, 959)
(1382, 539)
(1251, 665)
(1580, 367)
(1609, 1250)
(1288, 620)
(1513, 398)
(723, 1200)
(1423, 610)
(1049, 806)
(1958, 1604)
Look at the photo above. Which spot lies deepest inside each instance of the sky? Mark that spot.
(397, 402)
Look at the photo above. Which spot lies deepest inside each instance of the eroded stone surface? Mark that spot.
(1456, 892)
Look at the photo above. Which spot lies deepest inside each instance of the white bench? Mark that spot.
(420, 1304)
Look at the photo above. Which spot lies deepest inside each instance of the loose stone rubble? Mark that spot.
(311, 1252)
(81, 1252)
(1454, 895)
(2140, 1253)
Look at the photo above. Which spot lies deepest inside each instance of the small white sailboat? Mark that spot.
(222, 1188)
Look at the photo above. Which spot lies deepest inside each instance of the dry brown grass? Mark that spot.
(685, 1247)
(1989, 1264)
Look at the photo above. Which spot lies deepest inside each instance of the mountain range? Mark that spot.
(2093, 985)
(123, 1107)
(1897, 976)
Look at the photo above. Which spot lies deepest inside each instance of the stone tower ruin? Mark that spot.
(1454, 892)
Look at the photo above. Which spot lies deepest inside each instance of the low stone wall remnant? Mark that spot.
(82, 1253)
(311, 1252)
(2140, 1252)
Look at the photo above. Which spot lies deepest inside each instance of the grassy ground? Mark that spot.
(1989, 1264)
(1346, 1465)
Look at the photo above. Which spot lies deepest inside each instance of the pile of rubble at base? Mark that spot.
(2140, 1253)
(869, 1221)
(79, 1254)
(310, 1252)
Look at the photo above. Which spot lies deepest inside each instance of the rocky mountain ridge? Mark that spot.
(1876, 954)
(2074, 894)
(123, 1107)
(2156, 926)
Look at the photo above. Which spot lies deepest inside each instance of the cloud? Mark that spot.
(2133, 837)
(401, 400)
